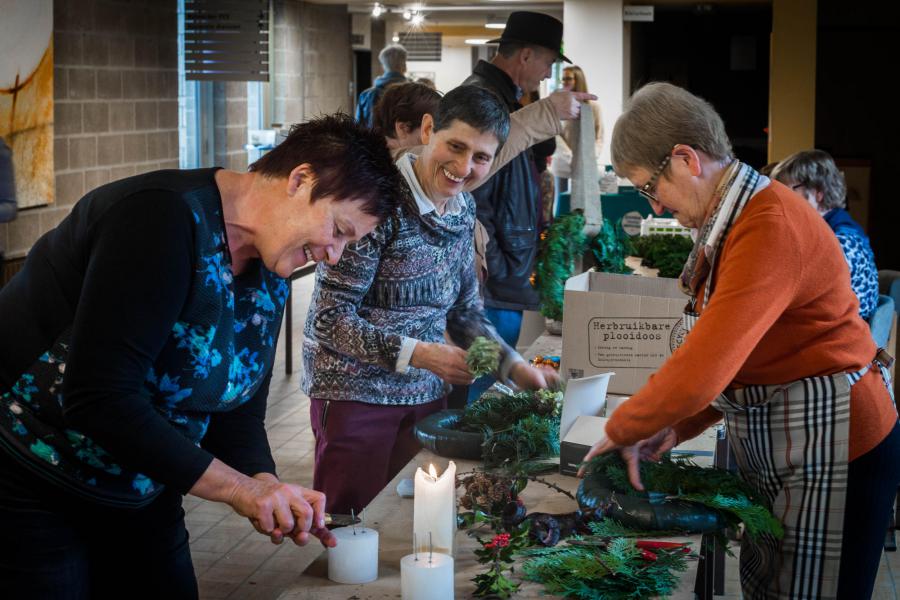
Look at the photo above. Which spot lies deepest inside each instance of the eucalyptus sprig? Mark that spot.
(483, 356)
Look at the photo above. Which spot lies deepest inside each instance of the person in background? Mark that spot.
(509, 204)
(137, 346)
(573, 80)
(403, 106)
(398, 115)
(813, 175)
(774, 344)
(393, 61)
(427, 82)
(375, 356)
(8, 206)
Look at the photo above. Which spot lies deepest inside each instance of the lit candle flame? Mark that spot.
(432, 471)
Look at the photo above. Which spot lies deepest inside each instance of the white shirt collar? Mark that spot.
(454, 205)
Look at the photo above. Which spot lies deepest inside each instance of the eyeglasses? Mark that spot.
(568, 79)
(648, 190)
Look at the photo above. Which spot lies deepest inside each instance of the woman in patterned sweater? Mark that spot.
(375, 358)
(813, 175)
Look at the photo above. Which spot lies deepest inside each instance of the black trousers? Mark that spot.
(55, 546)
(871, 492)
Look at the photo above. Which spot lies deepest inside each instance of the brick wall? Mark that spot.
(313, 60)
(230, 123)
(116, 94)
(116, 102)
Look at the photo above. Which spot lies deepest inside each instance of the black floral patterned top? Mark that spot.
(126, 340)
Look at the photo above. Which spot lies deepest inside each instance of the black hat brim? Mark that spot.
(501, 40)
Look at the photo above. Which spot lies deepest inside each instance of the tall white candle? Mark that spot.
(426, 576)
(355, 558)
(434, 510)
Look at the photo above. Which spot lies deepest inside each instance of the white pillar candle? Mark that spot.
(425, 576)
(434, 510)
(355, 558)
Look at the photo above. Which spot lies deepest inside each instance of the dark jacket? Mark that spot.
(509, 208)
(365, 108)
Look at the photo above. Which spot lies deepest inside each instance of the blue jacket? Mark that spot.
(860, 258)
(365, 108)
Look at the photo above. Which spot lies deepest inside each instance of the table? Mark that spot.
(392, 516)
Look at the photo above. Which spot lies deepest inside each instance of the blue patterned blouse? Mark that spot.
(155, 338)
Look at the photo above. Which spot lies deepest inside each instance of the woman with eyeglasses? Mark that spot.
(775, 346)
(813, 175)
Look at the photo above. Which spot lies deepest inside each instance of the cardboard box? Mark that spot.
(581, 424)
(620, 323)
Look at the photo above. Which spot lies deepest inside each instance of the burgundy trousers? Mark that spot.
(360, 447)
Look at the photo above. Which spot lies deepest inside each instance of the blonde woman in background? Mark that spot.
(573, 80)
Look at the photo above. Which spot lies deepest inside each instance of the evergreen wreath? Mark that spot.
(520, 429)
(561, 245)
(681, 479)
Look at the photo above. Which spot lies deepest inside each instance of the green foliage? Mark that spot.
(499, 410)
(668, 253)
(609, 528)
(617, 570)
(610, 247)
(530, 438)
(561, 245)
(483, 356)
(499, 553)
(520, 429)
(681, 478)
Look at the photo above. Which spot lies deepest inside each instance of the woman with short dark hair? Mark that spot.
(398, 114)
(138, 343)
(374, 353)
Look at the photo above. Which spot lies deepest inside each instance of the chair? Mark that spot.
(889, 287)
(882, 320)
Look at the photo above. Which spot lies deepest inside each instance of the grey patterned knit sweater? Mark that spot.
(412, 277)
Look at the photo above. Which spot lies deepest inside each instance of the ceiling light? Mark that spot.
(377, 10)
(396, 38)
(417, 19)
(477, 41)
(495, 22)
(407, 14)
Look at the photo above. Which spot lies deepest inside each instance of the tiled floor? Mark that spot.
(233, 561)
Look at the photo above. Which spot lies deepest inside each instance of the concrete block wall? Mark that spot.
(328, 59)
(116, 102)
(116, 94)
(230, 123)
(313, 60)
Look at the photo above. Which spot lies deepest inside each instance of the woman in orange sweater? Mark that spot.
(776, 347)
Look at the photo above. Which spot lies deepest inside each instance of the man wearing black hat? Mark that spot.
(509, 204)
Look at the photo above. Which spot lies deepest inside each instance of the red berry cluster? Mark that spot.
(501, 540)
